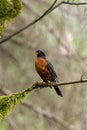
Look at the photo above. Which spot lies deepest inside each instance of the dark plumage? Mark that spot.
(45, 69)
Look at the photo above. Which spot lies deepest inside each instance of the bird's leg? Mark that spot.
(48, 84)
(51, 84)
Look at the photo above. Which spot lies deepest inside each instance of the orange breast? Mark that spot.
(41, 68)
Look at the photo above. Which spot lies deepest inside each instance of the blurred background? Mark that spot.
(62, 35)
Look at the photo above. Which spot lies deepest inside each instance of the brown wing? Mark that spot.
(51, 70)
(53, 77)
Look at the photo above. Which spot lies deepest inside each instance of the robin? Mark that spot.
(45, 69)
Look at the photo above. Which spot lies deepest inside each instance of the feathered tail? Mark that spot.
(58, 91)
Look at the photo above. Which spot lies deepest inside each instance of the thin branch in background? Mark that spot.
(30, 24)
(12, 123)
(48, 115)
(49, 10)
(6, 52)
(70, 53)
(14, 60)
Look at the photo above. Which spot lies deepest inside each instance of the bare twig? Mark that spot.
(49, 10)
(6, 52)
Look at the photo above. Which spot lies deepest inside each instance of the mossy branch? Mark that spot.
(8, 102)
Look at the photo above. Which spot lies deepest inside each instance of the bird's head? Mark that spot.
(40, 53)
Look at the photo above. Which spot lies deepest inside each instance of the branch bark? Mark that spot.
(42, 85)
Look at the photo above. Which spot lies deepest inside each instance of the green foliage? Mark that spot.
(9, 9)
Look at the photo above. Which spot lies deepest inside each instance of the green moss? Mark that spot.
(9, 9)
(8, 102)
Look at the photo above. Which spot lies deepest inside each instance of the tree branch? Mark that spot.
(75, 3)
(71, 82)
(30, 24)
(45, 85)
(49, 10)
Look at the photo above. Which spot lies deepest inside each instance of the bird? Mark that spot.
(46, 70)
